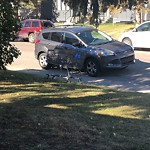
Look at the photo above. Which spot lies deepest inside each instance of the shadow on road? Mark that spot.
(129, 78)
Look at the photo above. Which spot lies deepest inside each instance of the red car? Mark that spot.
(30, 28)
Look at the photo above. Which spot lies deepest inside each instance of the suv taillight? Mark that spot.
(37, 41)
(39, 29)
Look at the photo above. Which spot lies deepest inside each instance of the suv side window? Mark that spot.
(35, 24)
(70, 39)
(27, 24)
(56, 36)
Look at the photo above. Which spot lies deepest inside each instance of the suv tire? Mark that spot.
(31, 37)
(43, 61)
(92, 67)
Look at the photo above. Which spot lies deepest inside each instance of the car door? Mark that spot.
(140, 36)
(71, 51)
(52, 44)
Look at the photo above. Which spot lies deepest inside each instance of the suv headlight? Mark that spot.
(105, 53)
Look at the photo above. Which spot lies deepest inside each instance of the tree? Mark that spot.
(8, 27)
(95, 12)
(140, 8)
(137, 5)
(33, 8)
(74, 5)
(79, 7)
(30, 5)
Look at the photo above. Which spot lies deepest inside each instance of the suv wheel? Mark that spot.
(43, 61)
(31, 37)
(92, 67)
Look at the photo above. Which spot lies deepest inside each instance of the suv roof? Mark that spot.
(37, 20)
(74, 29)
(43, 21)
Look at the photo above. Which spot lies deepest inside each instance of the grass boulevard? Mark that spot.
(43, 114)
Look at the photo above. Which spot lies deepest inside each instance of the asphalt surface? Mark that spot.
(134, 78)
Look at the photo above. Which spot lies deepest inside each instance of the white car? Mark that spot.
(139, 37)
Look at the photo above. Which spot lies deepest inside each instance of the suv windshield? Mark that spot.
(94, 37)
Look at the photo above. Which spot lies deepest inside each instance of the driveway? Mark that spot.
(136, 77)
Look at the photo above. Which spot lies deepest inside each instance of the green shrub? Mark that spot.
(8, 28)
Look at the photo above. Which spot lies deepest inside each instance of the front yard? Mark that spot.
(44, 114)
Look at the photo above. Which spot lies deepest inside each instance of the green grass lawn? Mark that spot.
(42, 114)
(115, 30)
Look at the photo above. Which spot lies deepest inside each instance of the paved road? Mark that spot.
(136, 77)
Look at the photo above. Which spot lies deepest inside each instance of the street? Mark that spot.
(135, 78)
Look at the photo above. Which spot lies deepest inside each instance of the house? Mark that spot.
(126, 16)
(64, 12)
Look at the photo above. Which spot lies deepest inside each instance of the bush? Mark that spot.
(8, 28)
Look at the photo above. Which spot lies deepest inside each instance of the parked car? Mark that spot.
(81, 47)
(30, 28)
(138, 37)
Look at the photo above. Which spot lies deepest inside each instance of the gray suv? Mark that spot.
(81, 47)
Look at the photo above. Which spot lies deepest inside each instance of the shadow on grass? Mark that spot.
(42, 114)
